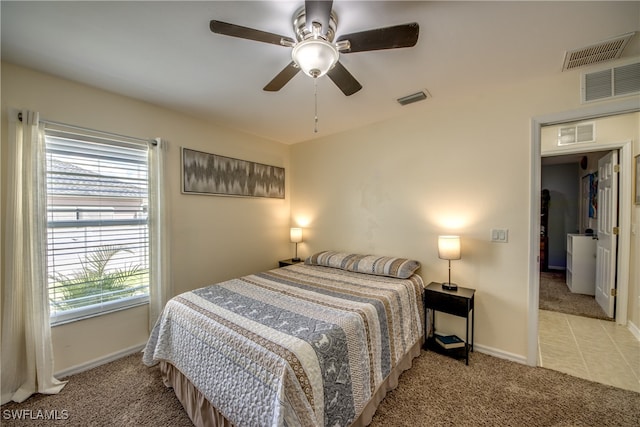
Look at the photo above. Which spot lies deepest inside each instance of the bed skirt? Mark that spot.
(203, 414)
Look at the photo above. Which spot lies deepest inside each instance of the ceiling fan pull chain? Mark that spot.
(315, 95)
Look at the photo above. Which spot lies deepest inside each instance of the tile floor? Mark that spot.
(598, 350)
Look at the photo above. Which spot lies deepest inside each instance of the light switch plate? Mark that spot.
(500, 235)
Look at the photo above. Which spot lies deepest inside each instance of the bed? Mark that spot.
(313, 344)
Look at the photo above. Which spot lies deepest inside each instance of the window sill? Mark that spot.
(70, 316)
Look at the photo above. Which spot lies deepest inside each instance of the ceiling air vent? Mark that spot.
(414, 97)
(594, 54)
(582, 132)
(612, 82)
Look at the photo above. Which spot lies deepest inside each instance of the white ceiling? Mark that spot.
(164, 53)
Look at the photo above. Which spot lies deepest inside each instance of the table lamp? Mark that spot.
(449, 248)
(296, 237)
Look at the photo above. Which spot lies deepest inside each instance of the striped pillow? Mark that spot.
(370, 264)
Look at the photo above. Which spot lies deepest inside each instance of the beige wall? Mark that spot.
(459, 166)
(634, 277)
(212, 238)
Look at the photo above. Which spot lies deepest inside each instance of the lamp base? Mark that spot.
(450, 286)
(296, 259)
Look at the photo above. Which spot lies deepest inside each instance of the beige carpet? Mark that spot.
(437, 391)
(556, 296)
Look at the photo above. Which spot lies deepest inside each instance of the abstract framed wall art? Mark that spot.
(212, 174)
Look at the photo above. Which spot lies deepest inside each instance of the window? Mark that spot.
(97, 224)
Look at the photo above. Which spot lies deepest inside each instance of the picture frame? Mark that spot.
(637, 185)
(216, 175)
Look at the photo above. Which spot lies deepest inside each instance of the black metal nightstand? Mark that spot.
(289, 261)
(459, 303)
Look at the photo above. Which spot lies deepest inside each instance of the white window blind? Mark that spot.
(97, 224)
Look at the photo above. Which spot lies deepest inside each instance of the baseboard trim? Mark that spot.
(99, 361)
(137, 348)
(518, 358)
(634, 330)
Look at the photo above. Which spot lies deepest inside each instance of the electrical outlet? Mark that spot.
(500, 235)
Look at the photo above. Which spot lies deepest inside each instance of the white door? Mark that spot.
(607, 216)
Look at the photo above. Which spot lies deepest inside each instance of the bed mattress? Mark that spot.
(301, 345)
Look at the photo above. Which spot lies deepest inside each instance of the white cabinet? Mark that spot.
(581, 264)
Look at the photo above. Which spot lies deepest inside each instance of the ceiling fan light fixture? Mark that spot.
(315, 56)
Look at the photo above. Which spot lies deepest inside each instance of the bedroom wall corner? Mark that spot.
(449, 166)
(212, 238)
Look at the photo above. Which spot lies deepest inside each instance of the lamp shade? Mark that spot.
(296, 235)
(449, 247)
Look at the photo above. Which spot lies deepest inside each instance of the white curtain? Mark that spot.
(160, 289)
(27, 353)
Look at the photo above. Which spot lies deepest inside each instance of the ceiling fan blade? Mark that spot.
(282, 78)
(233, 30)
(405, 35)
(343, 79)
(318, 11)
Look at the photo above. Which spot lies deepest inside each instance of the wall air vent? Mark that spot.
(612, 82)
(574, 134)
(414, 97)
(594, 54)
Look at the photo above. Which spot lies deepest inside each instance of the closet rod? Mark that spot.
(151, 141)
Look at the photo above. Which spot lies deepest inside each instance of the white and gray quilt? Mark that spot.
(301, 345)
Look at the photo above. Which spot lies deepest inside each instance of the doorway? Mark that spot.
(593, 112)
(569, 234)
(571, 343)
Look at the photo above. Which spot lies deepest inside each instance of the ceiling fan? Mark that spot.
(314, 50)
